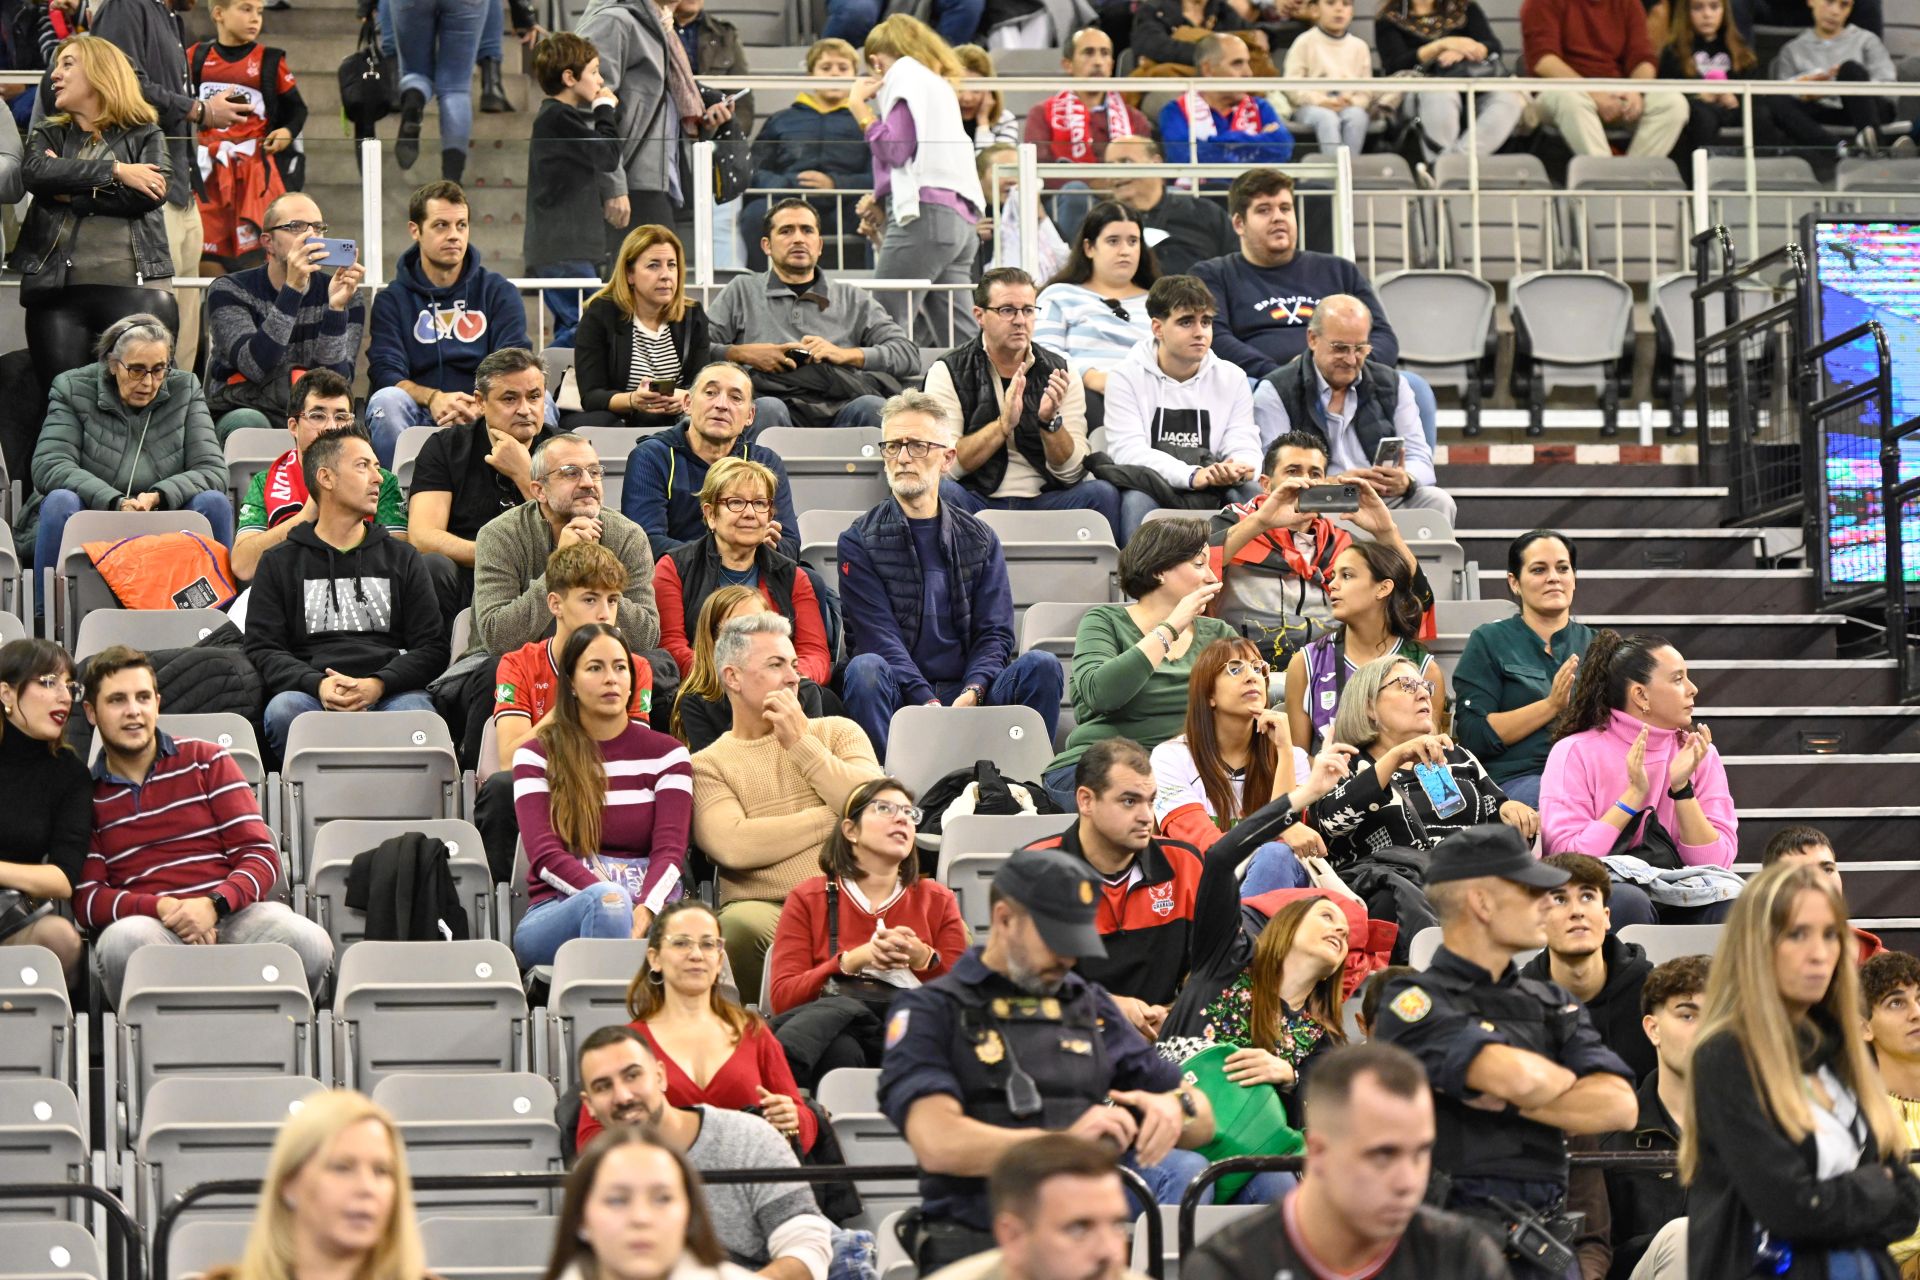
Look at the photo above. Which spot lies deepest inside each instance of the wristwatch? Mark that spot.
(1684, 792)
(221, 907)
(1059, 421)
(1187, 1106)
(978, 691)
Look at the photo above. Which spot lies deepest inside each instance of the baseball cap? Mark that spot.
(1493, 849)
(1057, 890)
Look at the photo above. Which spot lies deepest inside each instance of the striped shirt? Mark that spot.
(1086, 329)
(654, 356)
(648, 816)
(192, 828)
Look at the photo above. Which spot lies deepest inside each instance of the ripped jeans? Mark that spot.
(604, 911)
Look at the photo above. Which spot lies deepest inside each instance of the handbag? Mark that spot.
(567, 398)
(17, 911)
(1321, 875)
(1654, 847)
(871, 992)
(1472, 69)
(369, 81)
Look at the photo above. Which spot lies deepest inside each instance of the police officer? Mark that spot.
(1515, 1062)
(1012, 1040)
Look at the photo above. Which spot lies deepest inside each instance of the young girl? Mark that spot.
(1704, 44)
(985, 110)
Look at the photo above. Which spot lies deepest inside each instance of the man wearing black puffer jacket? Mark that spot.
(1596, 967)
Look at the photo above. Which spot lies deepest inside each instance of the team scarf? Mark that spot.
(1071, 124)
(1244, 120)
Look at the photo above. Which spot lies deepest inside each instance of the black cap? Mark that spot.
(1058, 891)
(1492, 850)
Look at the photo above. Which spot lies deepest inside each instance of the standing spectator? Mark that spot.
(635, 1210)
(268, 325)
(1094, 312)
(570, 173)
(493, 92)
(243, 167)
(712, 46)
(51, 805)
(1834, 49)
(815, 145)
(929, 607)
(1591, 963)
(604, 805)
(342, 617)
(180, 854)
(94, 242)
(1433, 37)
(1076, 125)
(923, 169)
(1183, 230)
(1332, 52)
(1373, 595)
(439, 43)
(1576, 39)
(984, 109)
(1224, 127)
(641, 338)
(442, 314)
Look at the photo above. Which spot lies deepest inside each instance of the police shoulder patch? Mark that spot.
(1412, 1005)
(897, 1027)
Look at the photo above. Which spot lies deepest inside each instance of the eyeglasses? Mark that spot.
(915, 449)
(594, 472)
(889, 809)
(1240, 666)
(321, 417)
(1348, 350)
(52, 684)
(302, 228)
(759, 506)
(1014, 313)
(682, 943)
(141, 372)
(1408, 684)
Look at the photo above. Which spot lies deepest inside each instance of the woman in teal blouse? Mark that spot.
(1516, 675)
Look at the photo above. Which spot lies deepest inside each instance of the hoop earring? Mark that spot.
(654, 976)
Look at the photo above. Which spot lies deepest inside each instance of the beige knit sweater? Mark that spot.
(761, 812)
(1315, 55)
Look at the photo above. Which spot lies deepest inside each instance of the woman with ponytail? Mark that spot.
(604, 803)
(1631, 773)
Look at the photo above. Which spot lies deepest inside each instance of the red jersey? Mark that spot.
(524, 681)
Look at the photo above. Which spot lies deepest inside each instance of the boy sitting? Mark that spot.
(1330, 51)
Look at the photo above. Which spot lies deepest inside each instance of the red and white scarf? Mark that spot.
(1200, 126)
(1072, 126)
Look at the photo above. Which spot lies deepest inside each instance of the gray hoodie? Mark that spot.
(633, 59)
(1808, 52)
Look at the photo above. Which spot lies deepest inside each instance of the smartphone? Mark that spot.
(799, 355)
(1391, 451)
(1330, 499)
(1437, 781)
(661, 386)
(340, 253)
(735, 96)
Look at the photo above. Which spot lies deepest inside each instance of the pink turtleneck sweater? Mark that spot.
(1587, 772)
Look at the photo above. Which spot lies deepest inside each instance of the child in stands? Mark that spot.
(1332, 52)
(1834, 49)
(1704, 44)
(570, 184)
(251, 163)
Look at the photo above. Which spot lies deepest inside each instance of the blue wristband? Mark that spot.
(1631, 813)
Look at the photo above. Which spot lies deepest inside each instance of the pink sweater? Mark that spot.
(1587, 772)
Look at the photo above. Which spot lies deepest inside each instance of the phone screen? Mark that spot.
(1438, 782)
(1391, 451)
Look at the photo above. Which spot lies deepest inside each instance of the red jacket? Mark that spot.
(1147, 923)
(801, 962)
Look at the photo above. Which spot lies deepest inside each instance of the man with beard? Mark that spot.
(773, 1227)
(1595, 966)
(1059, 1213)
(1011, 1041)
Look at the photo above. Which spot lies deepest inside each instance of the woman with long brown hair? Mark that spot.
(634, 1210)
(606, 847)
(641, 338)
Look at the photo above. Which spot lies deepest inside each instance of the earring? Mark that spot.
(653, 976)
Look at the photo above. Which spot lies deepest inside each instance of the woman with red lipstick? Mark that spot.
(49, 795)
(634, 1210)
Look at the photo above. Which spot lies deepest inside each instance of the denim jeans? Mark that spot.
(872, 692)
(1525, 789)
(1059, 784)
(861, 411)
(1346, 127)
(565, 303)
(284, 708)
(493, 35)
(1089, 494)
(957, 21)
(439, 42)
(62, 505)
(1274, 866)
(604, 911)
(391, 411)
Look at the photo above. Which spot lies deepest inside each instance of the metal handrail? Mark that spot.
(132, 1242)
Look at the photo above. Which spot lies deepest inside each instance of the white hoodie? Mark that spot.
(1213, 408)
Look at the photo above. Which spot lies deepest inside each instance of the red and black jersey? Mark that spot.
(1146, 919)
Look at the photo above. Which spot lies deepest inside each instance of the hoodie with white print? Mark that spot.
(1174, 427)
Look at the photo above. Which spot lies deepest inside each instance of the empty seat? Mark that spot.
(48, 1251)
(202, 1130)
(1056, 555)
(1634, 236)
(80, 589)
(1444, 320)
(972, 847)
(11, 628)
(849, 1089)
(1784, 188)
(820, 532)
(555, 361)
(1570, 330)
(344, 764)
(924, 744)
(1052, 626)
(1388, 230)
(426, 1006)
(830, 468)
(11, 590)
(37, 1032)
(145, 629)
(251, 450)
(457, 1124)
(406, 451)
(1207, 1219)
(487, 1248)
(1882, 188)
(43, 1138)
(869, 1138)
(339, 842)
(587, 991)
(1664, 942)
(1513, 215)
(197, 1246)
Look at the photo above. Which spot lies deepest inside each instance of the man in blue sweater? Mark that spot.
(929, 608)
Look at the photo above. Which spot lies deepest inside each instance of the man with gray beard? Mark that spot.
(1012, 1041)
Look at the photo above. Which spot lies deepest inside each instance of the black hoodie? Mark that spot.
(1616, 1010)
(368, 611)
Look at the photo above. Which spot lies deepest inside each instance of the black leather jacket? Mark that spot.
(92, 191)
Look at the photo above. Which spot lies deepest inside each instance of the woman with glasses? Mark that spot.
(49, 799)
(867, 927)
(604, 804)
(1095, 310)
(737, 501)
(130, 432)
(715, 1052)
(641, 338)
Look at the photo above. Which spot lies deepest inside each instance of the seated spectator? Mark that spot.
(1794, 13)
(572, 193)
(1270, 288)
(467, 475)
(630, 1166)
(1094, 310)
(667, 469)
(268, 325)
(640, 338)
(924, 586)
(432, 325)
(773, 1226)
(984, 109)
(1516, 676)
(1059, 1209)
(855, 353)
(1179, 418)
(1182, 230)
(1702, 43)
(341, 617)
(97, 450)
(277, 501)
(1432, 37)
(1641, 1201)
(868, 927)
(1592, 963)
(51, 795)
(1132, 663)
(999, 225)
(1075, 125)
(714, 1052)
(814, 144)
(1373, 597)
(510, 554)
(1630, 773)
(604, 805)
(737, 500)
(180, 854)
(1330, 51)
(1224, 127)
(1574, 40)
(1890, 1000)
(701, 711)
(1276, 564)
(1833, 49)
(1169, 36)
(957, 21)
(1810, 846)
(1022, 416)
(584, 584)
(768, 791)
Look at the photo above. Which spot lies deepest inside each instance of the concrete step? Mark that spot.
(1576, 507)
(1838, 781)
(1858, 834)
(1791, 635)
(1751, 731)
(1817, 682)
(1630, 548)
(1694, 592)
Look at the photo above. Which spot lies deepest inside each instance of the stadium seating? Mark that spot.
(406, 452)
(203, 1130)
(43, 1138)
(1056, 554)
(830, 468)
(972, 847)
(487, 1248)
(1458, 355)
(75, 588)
(405, 1007)
(614, 444)
(587, 991)
(820, 538)
(1207, 1219)
(48, 1251)
(924, 744)
(38, 1035)
(145, 629)
(1664, 942)
(394, 765)
(1570, 328)
(199, 1245)
(234, 734)
(251, 450)
(490, 1122)
(339, 842)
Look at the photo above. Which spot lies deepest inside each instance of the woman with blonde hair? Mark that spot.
(701, 712)
(634, 1210)
(336, 1199)
(1795, 1162)
(641, 338)
(985, 110)
(96, 237)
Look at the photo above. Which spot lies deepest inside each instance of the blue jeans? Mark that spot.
(1071, 204)
(1089, 494)
(871, 690)
(439, 43)
(391, 411)
(861, 411)
(956, 20)
(565, 303)
(1274, 866)
(493, 35)
(1525, 789)
(604, 911)
(284, 708)
(62, 505)
(1059, 785)
(1346, 127)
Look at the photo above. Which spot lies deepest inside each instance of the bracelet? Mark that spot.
(1684, 793)
(1168, 636)
(1626, 809)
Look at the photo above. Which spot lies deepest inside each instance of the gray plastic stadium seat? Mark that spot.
(1516, 232)
(924, 744)
(1208, 1218)
(830, 468)
(43, 1138)
(1664, 942)
(1425, 943)
(1447, 317)
(1574, 324)
(48, 1251)
(145, 629)
(462, 637)
(473, 1123)
(1635, 237)
(251, 450)
(869, 1138)
(1882, 188)
(1056, 555)
(487, 1248)
(1389, 230)
(37, 1032)
(972, 847)
(406, 451)
(198, 1246)
(11, 628)
(12, 585)
(81, 588)
(1053, 626)
(1775, 217)
(1460, 617)
(340, 841)
(426, 1006)
(379, 765)
(613, 445)
(849, 1089)
(587, 990)
(554, 363)
(229, 730)
(820, 532)
(201, 1130)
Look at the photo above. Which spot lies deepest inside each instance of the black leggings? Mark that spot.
(62, 329)
(1799, 123)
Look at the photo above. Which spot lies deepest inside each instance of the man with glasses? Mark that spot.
(510, 552)
(1338, 390)
(267, 324)
(924, 587)
(278, 500)
(1022, 416)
